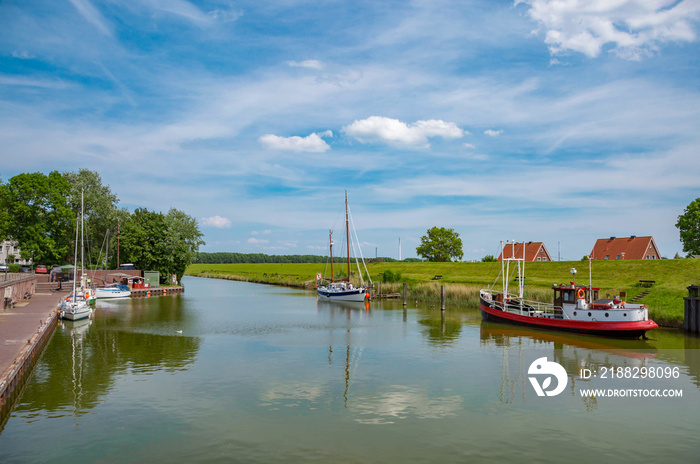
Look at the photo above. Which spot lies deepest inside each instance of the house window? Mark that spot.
(607, 256)
(544, 258)
(618, 257)
(648, 257)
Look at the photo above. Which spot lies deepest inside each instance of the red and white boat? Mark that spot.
(576, 308)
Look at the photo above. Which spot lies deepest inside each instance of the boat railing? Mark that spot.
(513, 304)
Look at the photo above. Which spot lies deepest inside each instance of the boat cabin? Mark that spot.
(571, 293)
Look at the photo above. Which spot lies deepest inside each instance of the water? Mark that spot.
(238, 372)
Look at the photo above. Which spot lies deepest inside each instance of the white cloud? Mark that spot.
(217, 222)
(469, 146)
(257, 241)
(311, 64)
(493, 133)
(264, 232)
(395, 132)
(312, 143)
(635, 28)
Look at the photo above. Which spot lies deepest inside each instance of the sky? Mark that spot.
(556, 121)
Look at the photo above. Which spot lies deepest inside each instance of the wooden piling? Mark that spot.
(691, 316)
(405, 292)
(442, 298)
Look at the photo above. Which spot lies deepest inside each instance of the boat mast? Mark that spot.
(75, 255)
(330, 238)
(82, 238)
(347, 231)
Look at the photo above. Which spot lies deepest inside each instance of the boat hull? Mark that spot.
(101, 293)
(75, 312)
(356, 294)
(627, 329)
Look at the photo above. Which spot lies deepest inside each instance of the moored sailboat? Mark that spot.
(343, 290)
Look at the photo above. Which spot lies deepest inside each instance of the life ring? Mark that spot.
(581, 294)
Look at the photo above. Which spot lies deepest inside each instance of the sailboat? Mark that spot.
(76, 306)
(111, 290)
(344, 290)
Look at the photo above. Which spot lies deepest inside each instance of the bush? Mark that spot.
(388, 276)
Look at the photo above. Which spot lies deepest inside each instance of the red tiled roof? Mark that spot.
(531, 251)
(632, 247)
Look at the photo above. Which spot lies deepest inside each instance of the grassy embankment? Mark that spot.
(463, 280)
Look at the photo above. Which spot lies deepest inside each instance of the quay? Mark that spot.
(26, 325)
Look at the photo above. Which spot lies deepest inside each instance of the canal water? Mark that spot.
(238, 372)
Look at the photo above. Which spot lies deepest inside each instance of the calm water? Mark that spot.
(268, 374)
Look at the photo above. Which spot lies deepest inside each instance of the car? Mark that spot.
(56, 268)
(4, 267)
(41, 269)
(127, 267)
(25, 268)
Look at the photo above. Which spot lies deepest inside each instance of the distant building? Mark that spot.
(534, 251)
(9, 252)
(633, 247)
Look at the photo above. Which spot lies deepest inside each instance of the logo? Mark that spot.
(545, 370)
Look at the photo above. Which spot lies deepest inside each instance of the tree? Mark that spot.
(38, 216)
(689, 227)
(157, 242)
(488, 259)
(440, 245)
(100, 206)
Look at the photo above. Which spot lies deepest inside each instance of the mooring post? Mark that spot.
(404, 293)
(442, 298)
(380, 290)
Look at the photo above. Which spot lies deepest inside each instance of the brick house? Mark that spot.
(534, 251)
(633, 247)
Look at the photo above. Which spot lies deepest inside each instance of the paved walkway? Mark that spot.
(19, 324)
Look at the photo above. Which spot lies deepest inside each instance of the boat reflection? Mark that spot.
(521, 346)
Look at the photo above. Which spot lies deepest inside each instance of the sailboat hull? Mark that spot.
(355, 294)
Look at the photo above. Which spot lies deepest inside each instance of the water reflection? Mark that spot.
(521, 346)
(441, 331)
(84, 358)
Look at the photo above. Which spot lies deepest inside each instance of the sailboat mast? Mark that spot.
(75, 256)
(82, 235)
(347, 231)
(330, 238)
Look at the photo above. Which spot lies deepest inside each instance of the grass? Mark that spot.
(464, 280)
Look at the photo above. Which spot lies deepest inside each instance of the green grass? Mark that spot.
(463, 280)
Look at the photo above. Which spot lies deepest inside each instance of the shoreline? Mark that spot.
(421, 291)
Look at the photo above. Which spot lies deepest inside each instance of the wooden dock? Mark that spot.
(155, 291)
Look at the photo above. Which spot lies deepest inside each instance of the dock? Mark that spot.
(25, 328)
(155, 291)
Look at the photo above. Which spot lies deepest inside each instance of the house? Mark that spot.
(9, 252)
(534, 251)
(633, 247)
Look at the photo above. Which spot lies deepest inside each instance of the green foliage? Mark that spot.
(100, 206)
(689, 227)
(389, 276)
(489, 259)
(37, 215)
(440, 245)
(157, 242)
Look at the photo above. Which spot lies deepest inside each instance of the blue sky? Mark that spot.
(560, 122)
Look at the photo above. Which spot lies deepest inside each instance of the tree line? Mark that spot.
(41, 212)
(258, 258)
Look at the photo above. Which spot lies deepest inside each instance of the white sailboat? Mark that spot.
(76, 306)
(344, 290)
